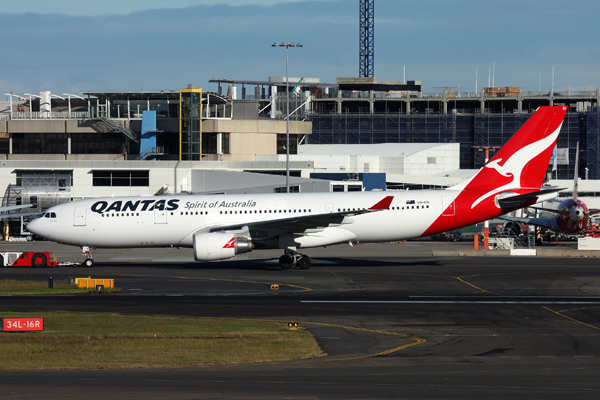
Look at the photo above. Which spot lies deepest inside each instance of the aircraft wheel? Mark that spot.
(88, 263)
(304, 262)
(38, 260)
(286, 262)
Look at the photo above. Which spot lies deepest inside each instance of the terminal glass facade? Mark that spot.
(592, 146)
(39, 143)
(473, 132)
(115, 178)
(190, 124)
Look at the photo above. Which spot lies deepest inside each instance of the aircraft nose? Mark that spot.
(31, 226)
(576, 213)
(35, 226)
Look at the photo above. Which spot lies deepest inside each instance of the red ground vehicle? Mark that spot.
(27, 259)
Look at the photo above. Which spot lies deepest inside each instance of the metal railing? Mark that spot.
(47, 115)
(356, 94)
(114, 125)
(152, 151)
(217, 111)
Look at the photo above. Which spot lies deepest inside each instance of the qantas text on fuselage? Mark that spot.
(102, 206)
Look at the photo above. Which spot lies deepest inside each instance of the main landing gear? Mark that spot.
(292, 259)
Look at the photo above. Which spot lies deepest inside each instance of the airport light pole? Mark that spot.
(287, 118)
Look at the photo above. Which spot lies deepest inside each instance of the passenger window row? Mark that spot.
(266, 211)
(120, 214)
(391, 208)
(410, 207)
(53, 215)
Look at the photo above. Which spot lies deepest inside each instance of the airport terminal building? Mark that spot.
(71, 146)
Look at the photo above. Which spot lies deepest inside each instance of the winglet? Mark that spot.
(383, 204)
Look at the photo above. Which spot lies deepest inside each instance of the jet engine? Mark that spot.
(512, 228)
(219, 246)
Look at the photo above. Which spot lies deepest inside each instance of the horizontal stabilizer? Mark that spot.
(512, 201)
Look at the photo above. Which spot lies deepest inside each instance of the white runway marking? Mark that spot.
(433, 301)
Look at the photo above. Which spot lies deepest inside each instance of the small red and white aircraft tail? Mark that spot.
(571, 215)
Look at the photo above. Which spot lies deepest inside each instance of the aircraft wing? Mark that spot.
(593, 212)
(300, 224)
(552, 210)
(9, 208)
(26, 214)
(545, 222)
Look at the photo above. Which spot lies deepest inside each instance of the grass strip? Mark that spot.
(115, 341)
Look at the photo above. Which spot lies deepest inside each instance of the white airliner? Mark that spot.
(220, 226)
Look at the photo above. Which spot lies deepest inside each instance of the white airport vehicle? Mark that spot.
(220, 226)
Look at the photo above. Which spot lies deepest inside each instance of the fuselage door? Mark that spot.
(448, 206)
(329, 207)
(79, 217)
(160, 216)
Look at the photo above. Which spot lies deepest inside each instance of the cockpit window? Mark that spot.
(50, 215)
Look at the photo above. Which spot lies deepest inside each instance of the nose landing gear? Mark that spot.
(88, 262)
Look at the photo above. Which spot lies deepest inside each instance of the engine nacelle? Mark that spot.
(512, 228)
(219, 246)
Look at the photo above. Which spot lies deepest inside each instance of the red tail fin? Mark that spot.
(523, 161)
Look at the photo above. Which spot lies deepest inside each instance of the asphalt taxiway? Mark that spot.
(394, 321)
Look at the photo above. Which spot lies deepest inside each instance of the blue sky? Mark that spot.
(130, 45)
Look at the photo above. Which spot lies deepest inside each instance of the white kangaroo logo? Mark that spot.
(515, 164)
(500, 168)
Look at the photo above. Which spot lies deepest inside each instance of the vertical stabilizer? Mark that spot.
(516, 171)
(575, 183)
(523, 161)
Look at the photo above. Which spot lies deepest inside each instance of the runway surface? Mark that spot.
(394, 322)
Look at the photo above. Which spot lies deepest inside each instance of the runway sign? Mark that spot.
(22, 324)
